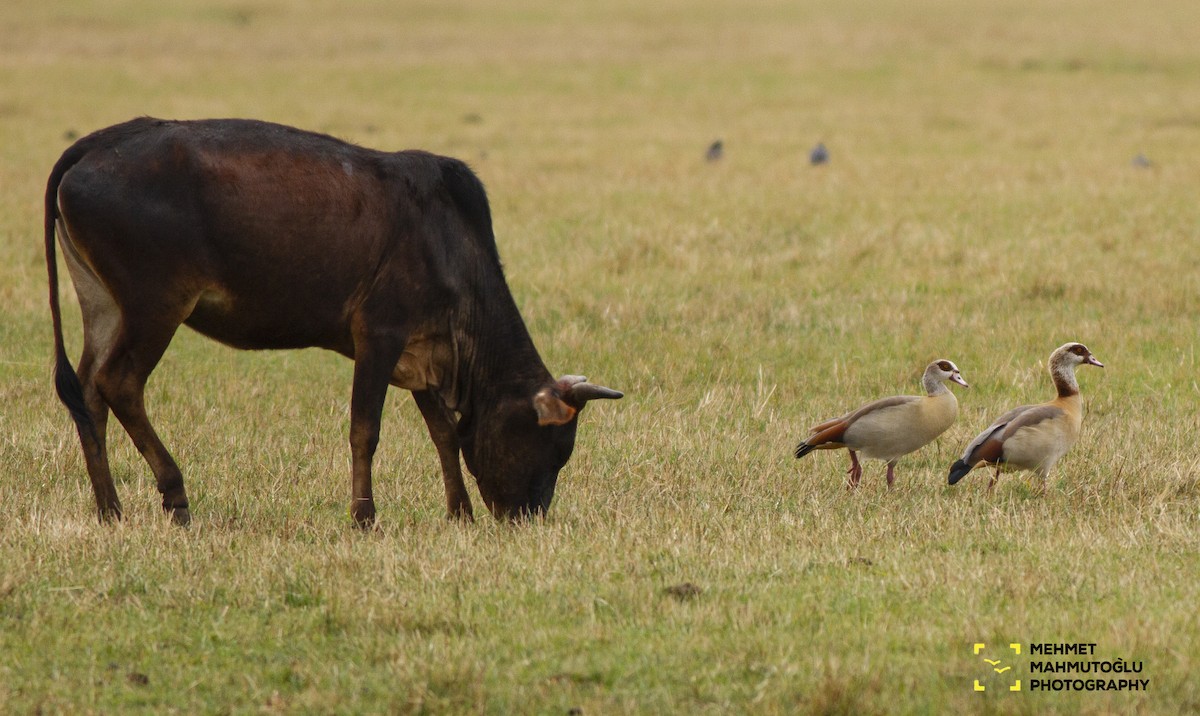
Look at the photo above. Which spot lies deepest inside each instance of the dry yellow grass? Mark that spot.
(980, 205)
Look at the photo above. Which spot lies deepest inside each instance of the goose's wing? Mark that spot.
(988, 444)
(830, 433)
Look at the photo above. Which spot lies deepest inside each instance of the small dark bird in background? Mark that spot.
(1141, 162)
(716, 150)
(819, 155)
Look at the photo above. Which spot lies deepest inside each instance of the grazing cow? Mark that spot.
(264, 236)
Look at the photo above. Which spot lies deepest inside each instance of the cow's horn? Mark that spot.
(580, 391)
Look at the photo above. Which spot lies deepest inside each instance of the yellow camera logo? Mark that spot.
(997, 665)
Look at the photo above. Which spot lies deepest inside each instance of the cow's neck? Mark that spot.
(493, 354)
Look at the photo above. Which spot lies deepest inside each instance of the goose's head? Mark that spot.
(942, 370)
(1071, 355)
(1062, 366)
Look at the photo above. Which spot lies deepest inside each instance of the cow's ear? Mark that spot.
(551, 410)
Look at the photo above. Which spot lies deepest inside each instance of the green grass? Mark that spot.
(980, 206)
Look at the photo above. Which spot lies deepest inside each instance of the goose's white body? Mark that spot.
(1034, 437)
(890, 428)
(1039, 445)
(893, 431)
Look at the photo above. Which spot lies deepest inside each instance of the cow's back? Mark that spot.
(279, 234)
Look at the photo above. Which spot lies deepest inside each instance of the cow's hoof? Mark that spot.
(181, 516)
(463, 517)
(110, 515)
(363, 513)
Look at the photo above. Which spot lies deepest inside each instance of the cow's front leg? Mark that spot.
(373, 365)
(445, 439)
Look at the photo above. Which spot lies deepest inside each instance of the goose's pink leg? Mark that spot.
(855, 471)
(992, 481)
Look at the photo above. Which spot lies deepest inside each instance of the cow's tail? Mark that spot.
(66, 380)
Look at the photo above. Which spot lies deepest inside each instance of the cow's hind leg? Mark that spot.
(101, 323)
(94, 440)
(374, 360)
(121, 380)
(445, 439)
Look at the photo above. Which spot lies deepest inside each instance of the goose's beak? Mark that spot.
(1091, 360)
(957, 378)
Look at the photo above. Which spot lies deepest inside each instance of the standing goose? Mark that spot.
(1033, 437)
(891, 428)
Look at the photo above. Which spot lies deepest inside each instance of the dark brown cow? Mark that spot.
(264, 236)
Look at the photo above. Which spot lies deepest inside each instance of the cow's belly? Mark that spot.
(259, 325)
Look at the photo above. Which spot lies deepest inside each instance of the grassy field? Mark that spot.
(981, 205)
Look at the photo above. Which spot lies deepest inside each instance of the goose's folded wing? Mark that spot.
(1029, 418)
(877, 406)
(831, 432)
(987, 445)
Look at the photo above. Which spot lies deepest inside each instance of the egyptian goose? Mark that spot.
(891, 428)
(1033, 437)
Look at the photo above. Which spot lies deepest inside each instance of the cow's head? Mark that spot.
(516, 446)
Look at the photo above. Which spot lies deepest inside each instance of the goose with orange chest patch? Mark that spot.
(1033, 437)
(890, 428)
